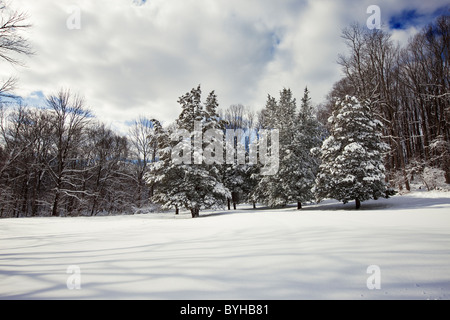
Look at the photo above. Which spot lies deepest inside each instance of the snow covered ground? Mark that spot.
(321, 252)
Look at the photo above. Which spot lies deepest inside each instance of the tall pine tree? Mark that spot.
(307, 136)
(352, 156)
(298, 133)
(186, 178)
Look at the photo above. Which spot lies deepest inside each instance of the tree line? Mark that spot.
(384, 123)
(61, 161)
(409, 87)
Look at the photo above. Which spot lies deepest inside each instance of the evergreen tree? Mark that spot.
(184, 175)
(352, 156)
(298, 133)
(280, 187)
(263, 191)
(306, 108)
(307, 136)
(163, 174)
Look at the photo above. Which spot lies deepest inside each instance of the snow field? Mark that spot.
(321, 252)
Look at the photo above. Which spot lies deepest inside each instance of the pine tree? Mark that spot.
(307, 137)
(184, 175)
(263, 191)
(352, 156)
(306, 108)
(298, 133)
(280, 187)
(163, 174)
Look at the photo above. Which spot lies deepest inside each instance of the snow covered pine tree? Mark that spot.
(308, 136)
(299, 132)
(352, 156)
(184, 175)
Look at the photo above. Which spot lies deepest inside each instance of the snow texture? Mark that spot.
(320, 252)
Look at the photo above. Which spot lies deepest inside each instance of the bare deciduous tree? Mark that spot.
(69, 119)
(144, 148)
(13, 44)
(409, 92)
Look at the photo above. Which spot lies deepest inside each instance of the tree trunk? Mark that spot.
(254, 205)
(447, 176)
(94, 206)
(151, 192)
(195, 212)
(358, 203)
(177, 211)
(57, 194)
(55, 205)
(235, 199)
(139, 195)
(299, 205)
(25, 195)
(405, 177)
(229, 203)
(36, 189)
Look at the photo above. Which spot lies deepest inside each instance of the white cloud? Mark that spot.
(307, 54)
(129, 59)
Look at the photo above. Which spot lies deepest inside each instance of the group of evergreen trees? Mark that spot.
(299, 131)
(347, 166)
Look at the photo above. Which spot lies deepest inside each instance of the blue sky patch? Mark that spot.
(412, 17)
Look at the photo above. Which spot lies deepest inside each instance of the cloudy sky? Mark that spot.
(135, 57)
